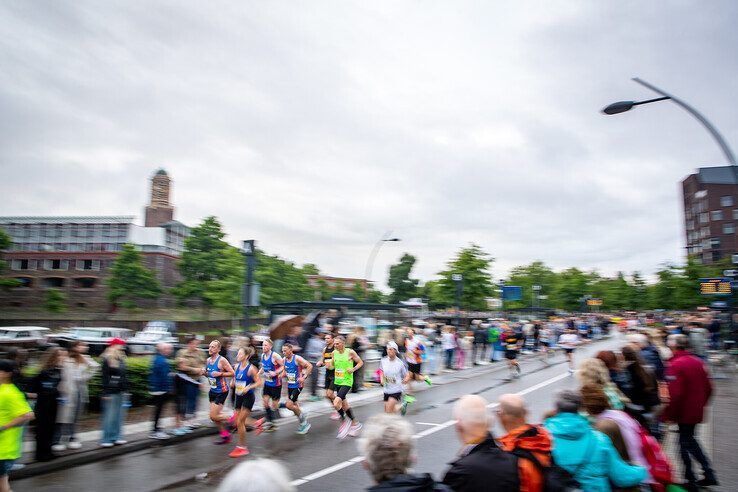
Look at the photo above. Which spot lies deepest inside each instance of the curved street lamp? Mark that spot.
(386, 238)
(623, 106)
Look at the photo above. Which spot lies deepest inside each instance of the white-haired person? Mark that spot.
(257, 476)
(394, 375)
(480, 460)
(388, 448)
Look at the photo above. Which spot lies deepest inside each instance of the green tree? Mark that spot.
(358, 292)
(639, 297)
(618, 294)
(403, 287)
(202, 249)
(130, 280)
(5, 242)
(55, 301)
(280, 280)
(432, 293)
(226, 290)
(375, 295)
(310, 269)
(324, 291)
(473, 264)
(526, 276)
(572, 285)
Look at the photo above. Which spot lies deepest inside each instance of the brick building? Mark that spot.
(346, 284)
(711, 213)
(74, 254)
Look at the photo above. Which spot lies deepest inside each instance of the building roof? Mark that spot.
(161, 171)
(73, 219)
(718, 175)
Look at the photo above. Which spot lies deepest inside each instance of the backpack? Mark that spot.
(659, 466)
(555, 478)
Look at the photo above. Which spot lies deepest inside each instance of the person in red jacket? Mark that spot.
(689, 392)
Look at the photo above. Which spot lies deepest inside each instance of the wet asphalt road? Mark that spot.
(311, 458)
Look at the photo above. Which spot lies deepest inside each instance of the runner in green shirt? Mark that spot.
(345, 363)
(14, 412)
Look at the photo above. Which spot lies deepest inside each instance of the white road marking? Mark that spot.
(426, 423)
(427, 432)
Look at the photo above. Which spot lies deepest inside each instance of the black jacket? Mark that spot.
(486, 467)
(411, 483)
(114, 379)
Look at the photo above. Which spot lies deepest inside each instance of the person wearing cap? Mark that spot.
(14, 412)
(394, 375)
(114, 388)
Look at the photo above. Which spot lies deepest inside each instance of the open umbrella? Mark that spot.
(282, 326)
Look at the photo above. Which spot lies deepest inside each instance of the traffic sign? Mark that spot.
(457, 277)
(734, 259)
(512, 292)
(730, 273)
(594, 302)
(715, 287)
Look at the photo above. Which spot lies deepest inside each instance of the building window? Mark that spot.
(726, 201)
(85, 282)
(715, 243)
(704, 219)
(729, 228)
(735, 214)
(25, 282)
(705, 232)
(55, 264)
(88, 264)
(716, 215)
(24, 264)
(53, 282)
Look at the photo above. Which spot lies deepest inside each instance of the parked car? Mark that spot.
(27, 337)
(144, 342)
(97, 338)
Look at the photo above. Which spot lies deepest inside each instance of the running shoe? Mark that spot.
(258, 426)
(410, 398)
(270, 427)
(428, 381)
(179, 432)
(354, 429)
(74, 445)
(238, 451)
(121, 442)
(57, 448)
(225, 438)
(106, 444)
(403, 408)
(161, 435)
(335, 416)
(344, 429)
(304, 428)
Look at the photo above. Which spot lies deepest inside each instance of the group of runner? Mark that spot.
(244, 378)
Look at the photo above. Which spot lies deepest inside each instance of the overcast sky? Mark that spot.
(314, 127)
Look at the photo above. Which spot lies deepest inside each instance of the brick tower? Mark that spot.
(159, 211)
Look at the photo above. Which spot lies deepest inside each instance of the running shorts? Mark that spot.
(396, 396)
(342, 391)
(293, 393)
(328, 384)
(218, 398)
(511, 354)
(273, 392)
(414, 368)
(569, 350)
(245, 401)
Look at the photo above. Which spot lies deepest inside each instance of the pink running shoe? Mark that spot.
(343, 429)
(335, 416)
(354, 429)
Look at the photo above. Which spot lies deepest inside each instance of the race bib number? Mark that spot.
(240, 387)
(390, 379)
(291, 377)
(213, 382)
(340, 373)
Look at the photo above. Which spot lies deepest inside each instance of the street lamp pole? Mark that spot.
(623, 106)
(459, 281)
(249, 253)
(386, 238)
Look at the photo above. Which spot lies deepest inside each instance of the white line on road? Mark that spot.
(427, 432)
(426, 423)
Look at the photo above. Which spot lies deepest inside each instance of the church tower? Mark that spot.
(160, 210)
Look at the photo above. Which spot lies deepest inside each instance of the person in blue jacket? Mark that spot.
(587, 454)
(160, 385)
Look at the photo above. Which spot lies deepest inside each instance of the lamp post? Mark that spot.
(386, 238)
(623, 106)
(250, 255)
(459, 282)
(536, 292)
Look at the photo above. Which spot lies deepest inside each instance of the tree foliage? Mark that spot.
(130, 280)
(55, 301)
(281, 280)
(5, 242)
(403, 287)
(473, 264)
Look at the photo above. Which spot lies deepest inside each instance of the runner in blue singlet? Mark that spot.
(293, 369)
(217, 370)
(245, 379)
(271, 372)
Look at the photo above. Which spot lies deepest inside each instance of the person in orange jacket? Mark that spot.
(525, 438)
